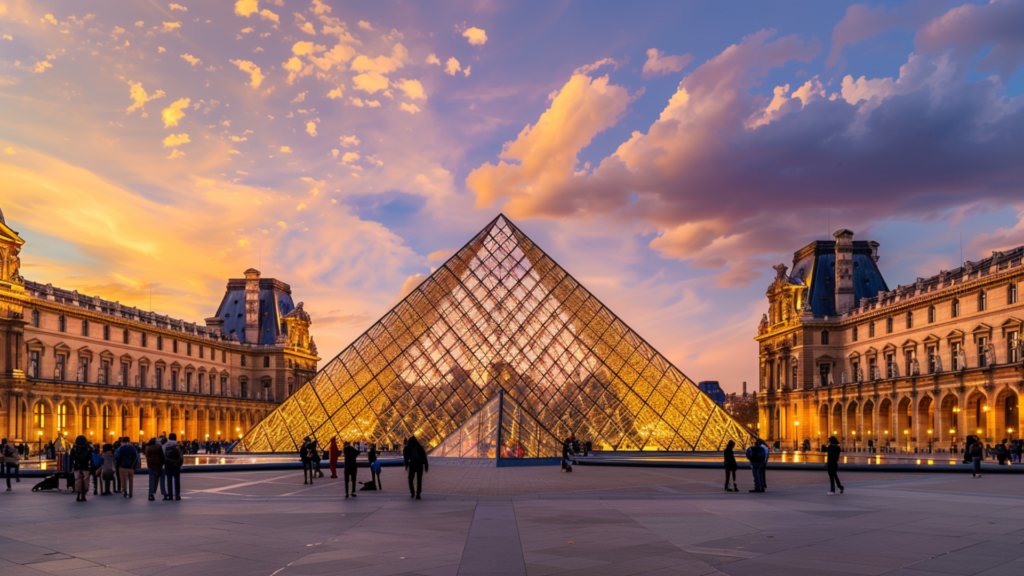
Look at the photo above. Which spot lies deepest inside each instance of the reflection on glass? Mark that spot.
(500, 315)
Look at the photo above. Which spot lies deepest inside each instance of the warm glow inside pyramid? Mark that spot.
(500, 315)
(501, 429)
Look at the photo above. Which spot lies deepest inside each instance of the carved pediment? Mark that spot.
(910, 344)
(931, 339)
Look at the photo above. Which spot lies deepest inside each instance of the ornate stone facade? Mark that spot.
(73, 364)
(919, 367)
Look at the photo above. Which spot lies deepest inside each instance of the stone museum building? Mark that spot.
(921, 366)
(74, 364)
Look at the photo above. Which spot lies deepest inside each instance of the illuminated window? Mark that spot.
(39, 415)
(62, 416)
(982, 301)
(1013, 346)
(1011, 294)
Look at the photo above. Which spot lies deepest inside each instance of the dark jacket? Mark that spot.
(371, 455)
(126, 456)
(415, 456)
(977, 450)
(833, 451)
(155, 457)
(174, 457)
(81, 457)
(351, 453)
(730, 460)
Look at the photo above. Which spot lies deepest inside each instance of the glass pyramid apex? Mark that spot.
(500, 315)
(501, 429)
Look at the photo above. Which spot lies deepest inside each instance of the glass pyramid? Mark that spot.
(501, 429)
(500, 315)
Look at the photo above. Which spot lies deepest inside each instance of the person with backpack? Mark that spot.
(155, 464)
(127, 458)
(416, 464)
(757, 455)
(173, 460)
(9, 461)
(81, 464)
(351, 467)
(730, 466)
(977, 454)
(832, 452)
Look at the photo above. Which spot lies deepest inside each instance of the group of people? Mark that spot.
(757, 455)
(311, 455)
(115, 464)
(570, 449)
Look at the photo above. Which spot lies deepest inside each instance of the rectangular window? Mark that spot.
(126, 337)
(35, 318)
(932, 368)
(982, 357)
(202, 377)
(123, 376)
(144, 339)
(1013, 344)
(872, 368)
(58, 370)
(174, 380)
(223, 385)
(83, 370)
(888, 325)
(85, 327)
(104, 376)
(224, 356)
(159, 378)
(174, 346)
(824, 370)
(62, 323)
(106, 332)
(243, 360)
(955, 348)
(910, 356)
(188, 348)
(200, 352)
(266, 359)
(855, 334)
(33, 364)
(871, 330)
(188, 381)
(890, 366)
(142, 375)
(1011, 294)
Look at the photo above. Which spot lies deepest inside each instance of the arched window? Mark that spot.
(87, 416)
(956, 308)
(39, 415)
(910, 320)
(888, 325)
(931, 314)
(824, 336)
(982, 301)
(106, 417)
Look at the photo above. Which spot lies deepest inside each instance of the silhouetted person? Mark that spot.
(307, 461)
(81, 464)
(333, 454)
(730, 467)
(416, 464)
(371, 457)
(9, 457)
(351, 453)
(832, 453)
(757, 455)
(976, 453)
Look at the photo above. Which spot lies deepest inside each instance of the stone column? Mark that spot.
(860, 425)
(915, 421)
(992, 436)
(937, 423)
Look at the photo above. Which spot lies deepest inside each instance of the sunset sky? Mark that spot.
(666, 154)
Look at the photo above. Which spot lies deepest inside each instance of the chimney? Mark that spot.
(252, 306)
(844, 272)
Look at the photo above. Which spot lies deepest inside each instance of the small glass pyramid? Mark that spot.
(500, 316)
(501, 429)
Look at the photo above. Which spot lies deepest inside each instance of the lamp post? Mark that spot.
(854, 433)
(887, 440)
(796, 441)
(929, 440)
(39, 434)
(238, 431)
(907, 434)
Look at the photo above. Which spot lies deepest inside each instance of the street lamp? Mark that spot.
(39, 433)
(929, 440)
(796, 441)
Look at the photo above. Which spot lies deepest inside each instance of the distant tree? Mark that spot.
(743, 409)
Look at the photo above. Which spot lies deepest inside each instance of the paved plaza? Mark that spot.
(536, 521)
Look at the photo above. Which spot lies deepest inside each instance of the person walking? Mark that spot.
(351, 467)
(416, 464)
(333, 455)
(155, 464)
(173, 460)
(977, 453)
(107, 469)
(307, 461)
(81, 464)
(832, 452)
(371, 458)
(127, 459)
(730, 466)
(9, 461)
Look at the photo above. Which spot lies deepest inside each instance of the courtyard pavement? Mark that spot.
(536, 521)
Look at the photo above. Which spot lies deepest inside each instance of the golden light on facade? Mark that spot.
(929, 431)
(500, 315)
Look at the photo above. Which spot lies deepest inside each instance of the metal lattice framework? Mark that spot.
(500, 315)
(501, 429)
